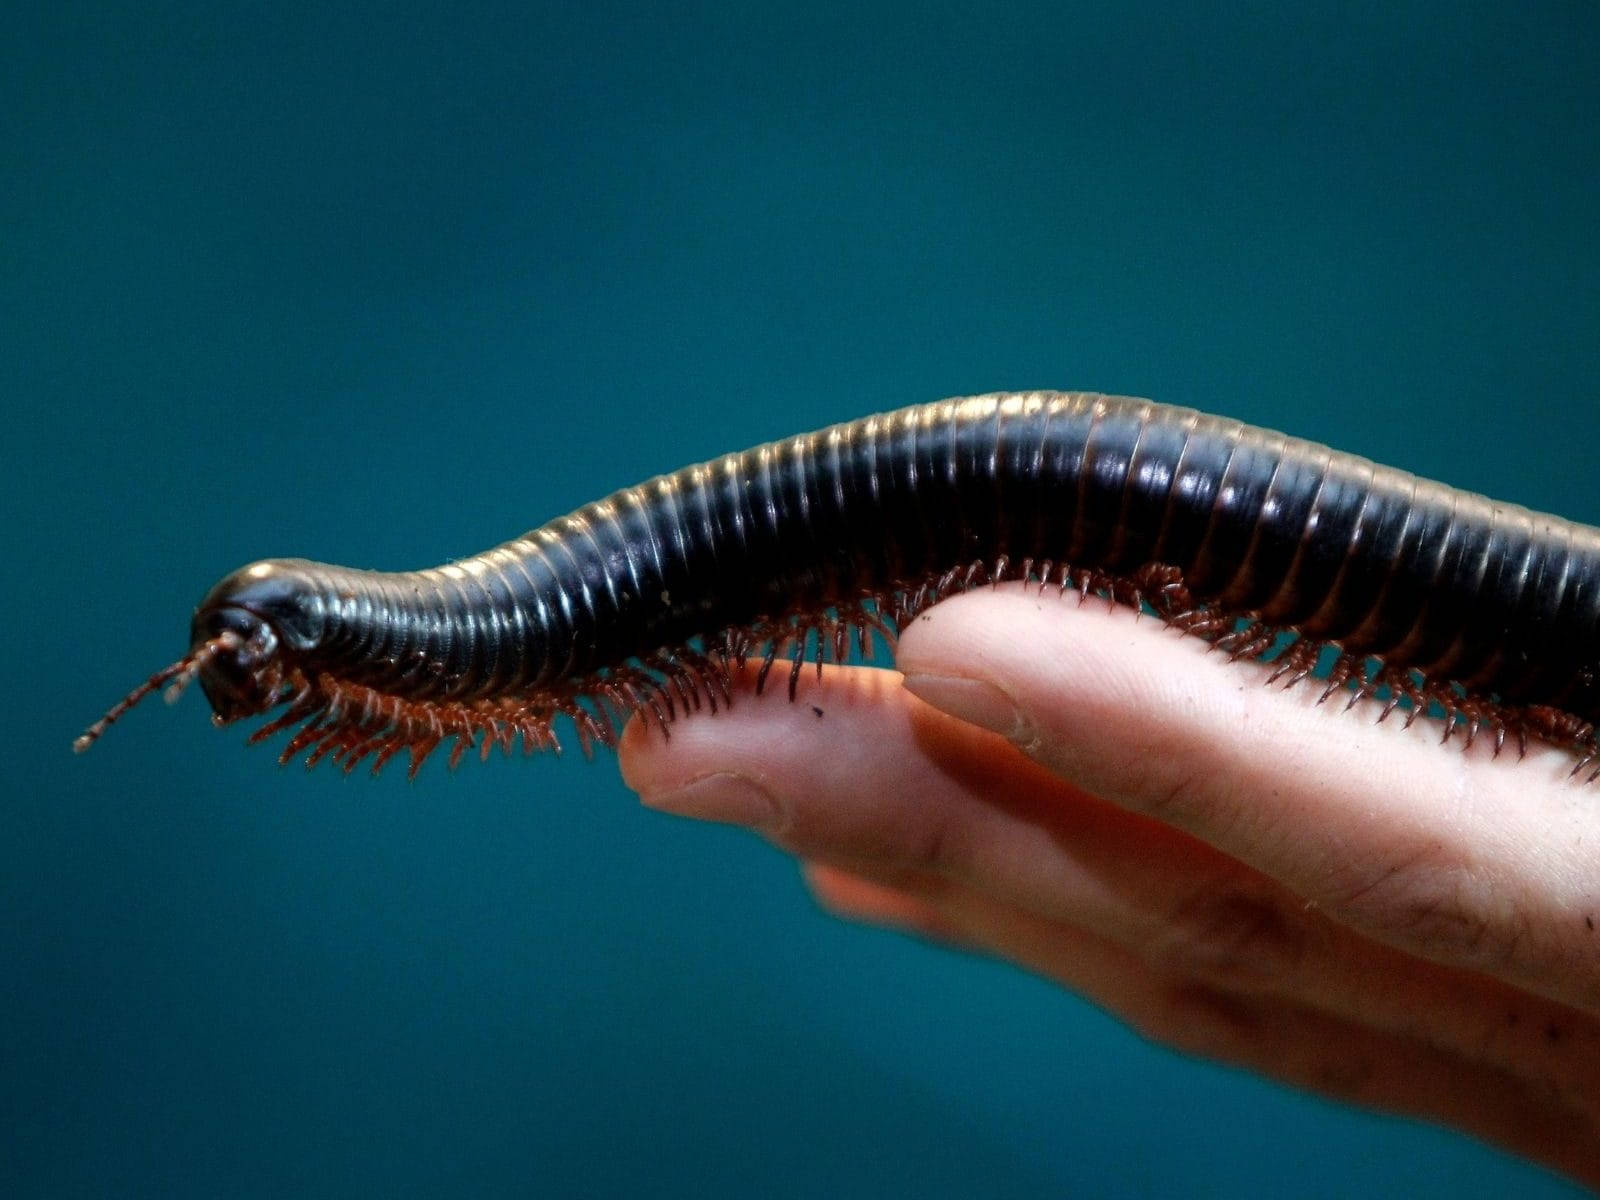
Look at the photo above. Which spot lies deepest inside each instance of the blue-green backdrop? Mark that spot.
(385, 284)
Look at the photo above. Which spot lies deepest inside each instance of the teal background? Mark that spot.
(387, 284)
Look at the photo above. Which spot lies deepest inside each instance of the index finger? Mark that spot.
(1463, 857)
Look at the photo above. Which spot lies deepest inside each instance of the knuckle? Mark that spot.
(1234, 930)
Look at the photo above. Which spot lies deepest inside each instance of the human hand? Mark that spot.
(1230, 868)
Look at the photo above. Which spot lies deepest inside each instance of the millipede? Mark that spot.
(1362, 578)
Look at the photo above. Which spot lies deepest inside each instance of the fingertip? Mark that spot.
(653, 754)
(1093, 685)
(834, 726)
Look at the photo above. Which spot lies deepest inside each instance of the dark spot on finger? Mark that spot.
(1552, 1032)
(818, 711)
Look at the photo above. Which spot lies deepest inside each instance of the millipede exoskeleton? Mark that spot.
(1378, 583)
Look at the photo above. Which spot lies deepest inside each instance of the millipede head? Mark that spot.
(233, 653)
(240, 641)
(179, 675)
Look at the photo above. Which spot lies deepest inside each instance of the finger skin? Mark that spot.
(1306, 1048)
(861, 774)
(1458, 856)
(884, 785)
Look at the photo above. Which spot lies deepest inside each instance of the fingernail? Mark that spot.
(971, 700)
(726, 797)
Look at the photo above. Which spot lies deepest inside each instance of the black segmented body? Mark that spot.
(881, 515)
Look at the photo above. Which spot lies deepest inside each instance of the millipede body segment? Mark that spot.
(1376, 582)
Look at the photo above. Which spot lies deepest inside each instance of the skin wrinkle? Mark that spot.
(1438, 897)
